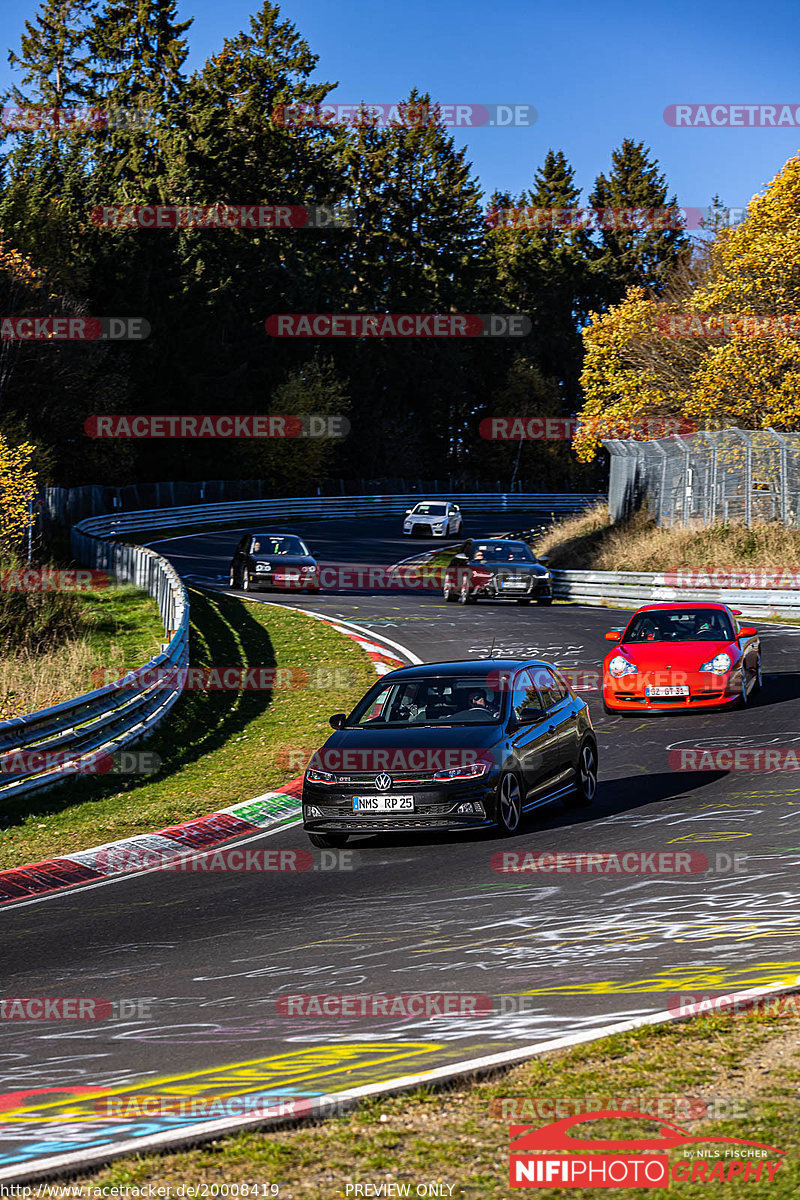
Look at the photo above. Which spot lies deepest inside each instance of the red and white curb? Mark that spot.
(132, 855)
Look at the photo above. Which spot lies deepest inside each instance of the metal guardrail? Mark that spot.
(110, 718)
(621, 589)
(326, 507)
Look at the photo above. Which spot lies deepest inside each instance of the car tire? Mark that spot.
(586, 777)
(523, 600)
(328, 841)
(545, 601)
(759, 680)
(508, 813)
(450, 594)
(465, 596)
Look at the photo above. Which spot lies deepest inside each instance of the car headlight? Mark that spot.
(620, 666)
(263, 567)
(469, 772)
(314, 776)
(720, 664)
(308, 570)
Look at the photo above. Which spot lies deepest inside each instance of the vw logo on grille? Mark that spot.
(383, 782)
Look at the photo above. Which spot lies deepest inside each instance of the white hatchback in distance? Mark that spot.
(432, 518)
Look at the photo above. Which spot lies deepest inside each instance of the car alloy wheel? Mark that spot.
(744, 698)
(245, 580)
(509, 804)
(328, 841)
(586, 781)
(465, 596)
(232, 578)
(759, 681)
(450, 594)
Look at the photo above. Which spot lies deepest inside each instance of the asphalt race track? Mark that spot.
(214, 952)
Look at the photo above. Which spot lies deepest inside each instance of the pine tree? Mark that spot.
(642, 257)
(52, 59)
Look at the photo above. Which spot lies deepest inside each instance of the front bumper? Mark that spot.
(627, 693)
(434, 809)
(421, 529)
(535, 590)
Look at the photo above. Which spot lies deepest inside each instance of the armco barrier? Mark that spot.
(629, 589)
(325, 508)
(112, 717)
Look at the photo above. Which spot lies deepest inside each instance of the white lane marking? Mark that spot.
(77, 1159)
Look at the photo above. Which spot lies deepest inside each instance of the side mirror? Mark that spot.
(544, 558)
(337, 720)
(747, 631)
(737, 612)
(408, 512)
(528, 716)
(613, 635)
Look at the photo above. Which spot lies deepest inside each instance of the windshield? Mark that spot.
(503, 552)
(680, 625)
(277, 545)
(435, 700)
(430, 510)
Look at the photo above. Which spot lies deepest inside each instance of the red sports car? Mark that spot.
(681, 656)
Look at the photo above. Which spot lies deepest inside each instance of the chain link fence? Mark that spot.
(740, 476)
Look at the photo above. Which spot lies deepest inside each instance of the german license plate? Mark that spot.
(383, 803)
(666, 691)
(514, 583)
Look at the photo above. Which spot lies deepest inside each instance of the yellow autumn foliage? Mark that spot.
(17, 490)
(634, 371)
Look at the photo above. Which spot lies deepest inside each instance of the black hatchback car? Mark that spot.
(497, 569)
(273, 560)
(451, 746)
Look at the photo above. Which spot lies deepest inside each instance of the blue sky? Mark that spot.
(595, 72)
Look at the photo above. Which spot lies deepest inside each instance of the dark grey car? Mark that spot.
(273, 560)
(451, 746)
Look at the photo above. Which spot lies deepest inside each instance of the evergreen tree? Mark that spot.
(642, 257)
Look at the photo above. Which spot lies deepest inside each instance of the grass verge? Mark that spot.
(216, 747)
(750, 1061)
(589, 542)
(119, 628)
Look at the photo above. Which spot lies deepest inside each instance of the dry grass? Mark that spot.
(591, 542)
(31, 681)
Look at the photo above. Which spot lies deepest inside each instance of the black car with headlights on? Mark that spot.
(273, 560)
(451, 746)
(497, 569)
